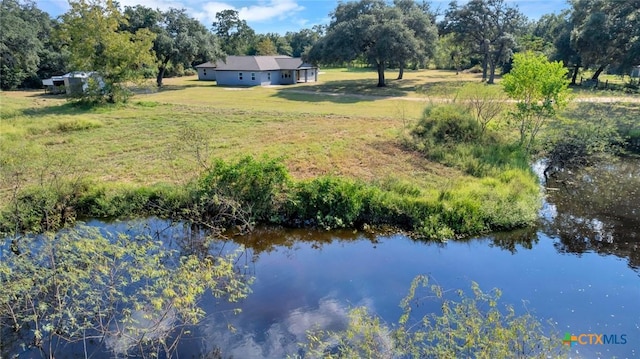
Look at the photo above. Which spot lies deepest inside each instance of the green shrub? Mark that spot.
(259, 186)
(328, 202)
(446, 124)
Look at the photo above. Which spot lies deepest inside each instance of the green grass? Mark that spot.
(343, 127)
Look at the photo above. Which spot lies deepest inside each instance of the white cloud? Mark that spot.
(274, 9)
(154, 4)
(209, 10)
(262, 11)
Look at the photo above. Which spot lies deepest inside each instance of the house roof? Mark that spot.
(257, 63)
(207, 64)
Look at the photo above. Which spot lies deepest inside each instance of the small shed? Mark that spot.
(635, 71)
(54, 85)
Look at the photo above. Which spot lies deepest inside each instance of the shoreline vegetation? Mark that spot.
(277, 155)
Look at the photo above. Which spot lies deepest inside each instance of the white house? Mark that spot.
(258, 71)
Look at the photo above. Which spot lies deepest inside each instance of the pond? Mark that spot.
(580, 269)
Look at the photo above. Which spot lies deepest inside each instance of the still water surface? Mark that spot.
(579, 269)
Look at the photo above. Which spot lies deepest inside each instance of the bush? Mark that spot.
(258, 186)
(447, 124)
(328, 202)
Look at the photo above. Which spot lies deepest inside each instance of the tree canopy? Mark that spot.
(235, 35)
(91, 32)
(180, 39)
(489, 28)
(22, 27)
(379, 32)
(606, 33)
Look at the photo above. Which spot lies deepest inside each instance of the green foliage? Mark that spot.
(266, 47)
(574, 143)
(605, 34)
(486, 28)
(258, 186)
(485, 103)
(449, 134)
(92, 33)
(378, 32)
(235, 35)
(446, 125)
(240, 193)
(179, 39)
(470, 327)
(328, 202)
(22, 27)
(540, 88)
(80, 284)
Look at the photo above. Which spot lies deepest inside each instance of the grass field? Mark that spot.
(343, 126)
(143, 142)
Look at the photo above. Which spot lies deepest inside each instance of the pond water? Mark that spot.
(580, 269)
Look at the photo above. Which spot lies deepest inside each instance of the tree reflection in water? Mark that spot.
(597, 209)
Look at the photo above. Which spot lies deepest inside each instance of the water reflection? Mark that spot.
(597, 209)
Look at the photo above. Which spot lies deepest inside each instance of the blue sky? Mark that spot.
(284, 15)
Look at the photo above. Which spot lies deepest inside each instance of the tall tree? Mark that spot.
(606, 33)
(418, 19)
(488, 27)
(179, 40)
(555, 29)
(266, 47)
(236, 37)
(21, 26)
(370, 29)
(281, 46)
(301, 41)
(91, 31)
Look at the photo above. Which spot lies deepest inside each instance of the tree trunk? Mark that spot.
(492, 72)
(160, 75)
(598, 72)
(380, 66)
(485, 62)
(575, 74)
(401, 73)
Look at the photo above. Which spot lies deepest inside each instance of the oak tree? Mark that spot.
(370, 29)
(488, 27)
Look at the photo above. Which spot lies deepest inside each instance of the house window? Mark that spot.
(240, 76)
(205, 72)
(269, 76)
(253, 76)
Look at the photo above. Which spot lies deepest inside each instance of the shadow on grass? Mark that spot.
(68, 108)
(353, 91)
(348, 91)
(190, 84)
